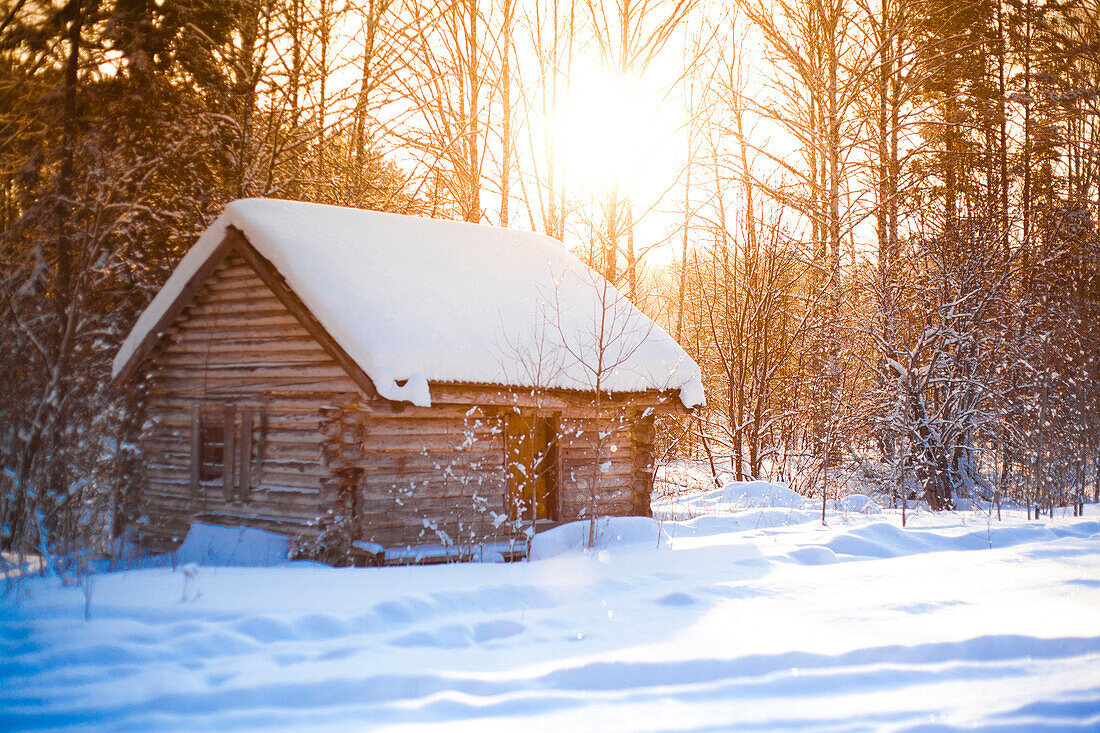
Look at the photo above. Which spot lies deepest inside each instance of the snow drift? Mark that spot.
(954, 623)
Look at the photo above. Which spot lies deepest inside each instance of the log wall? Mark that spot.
(606, 465)
(436, 479)
(236, 344)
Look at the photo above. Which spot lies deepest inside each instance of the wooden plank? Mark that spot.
(287, 413)
(222, 288)
(245, 388)
(281, 347)
(250, 372)
(294, 479)
(271, 356)
(244, 481)
(305, 443)
(301, 394)
(234, 267)
(196, 447)
(299, 506)
(452, 446)
(485, 487)
(232, 278)
(419, 468)
(209, 329)
(233, 310)
(251, 336)
(271, 522)
(307, 466)
(430, 425)
(228, 474)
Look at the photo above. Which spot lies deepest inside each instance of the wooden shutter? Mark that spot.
(244, 479)
(228, 475)
(196, 448)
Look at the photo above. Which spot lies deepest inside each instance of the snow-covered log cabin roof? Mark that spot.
(414, 301)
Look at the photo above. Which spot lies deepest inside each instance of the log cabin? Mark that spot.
(387, 385)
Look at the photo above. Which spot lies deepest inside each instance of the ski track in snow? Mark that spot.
(743, 622)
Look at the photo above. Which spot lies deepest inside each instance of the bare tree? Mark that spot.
(597, 345)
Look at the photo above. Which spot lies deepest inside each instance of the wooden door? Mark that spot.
(529, 453)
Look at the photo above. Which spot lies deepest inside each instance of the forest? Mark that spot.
(872, 223)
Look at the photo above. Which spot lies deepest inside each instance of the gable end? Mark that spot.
(236, 243)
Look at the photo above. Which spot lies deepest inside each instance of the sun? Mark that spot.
(614, 135)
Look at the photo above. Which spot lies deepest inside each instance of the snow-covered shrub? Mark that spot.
(333, 544)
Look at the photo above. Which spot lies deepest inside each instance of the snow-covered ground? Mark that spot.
(738, 612)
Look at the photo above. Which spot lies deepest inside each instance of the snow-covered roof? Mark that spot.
(416, 300)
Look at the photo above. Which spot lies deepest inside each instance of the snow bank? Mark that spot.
(611, 532)
(415, 300)
(858, 503)
(208, 544)
(756, 494)
(955, 622)
(771, 501)
(746, 495)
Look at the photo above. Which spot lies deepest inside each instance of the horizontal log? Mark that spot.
(218, 285)
(168, 437)
(197, 328)
(607, 435)
(387, 487)
(223, 362)
(430, 424)
(487, 489)
(277, 347)
(177, 508)
(289, 412)
(264, 340)
(579, 486)
(212, 379)
(175, 451)
(290, 526)
(421, 504)
(441, 447)
(413, 537)
(241, 299)
(234, 279)
(308, 478)
(291, 505)
(321, 391)
(405, 535)
(380, 408)
(167, 474)
(437, 511)
(577, 513)
(234, 266)
(423, 470)
(584, 460)
(585, 468)
(250, 372)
